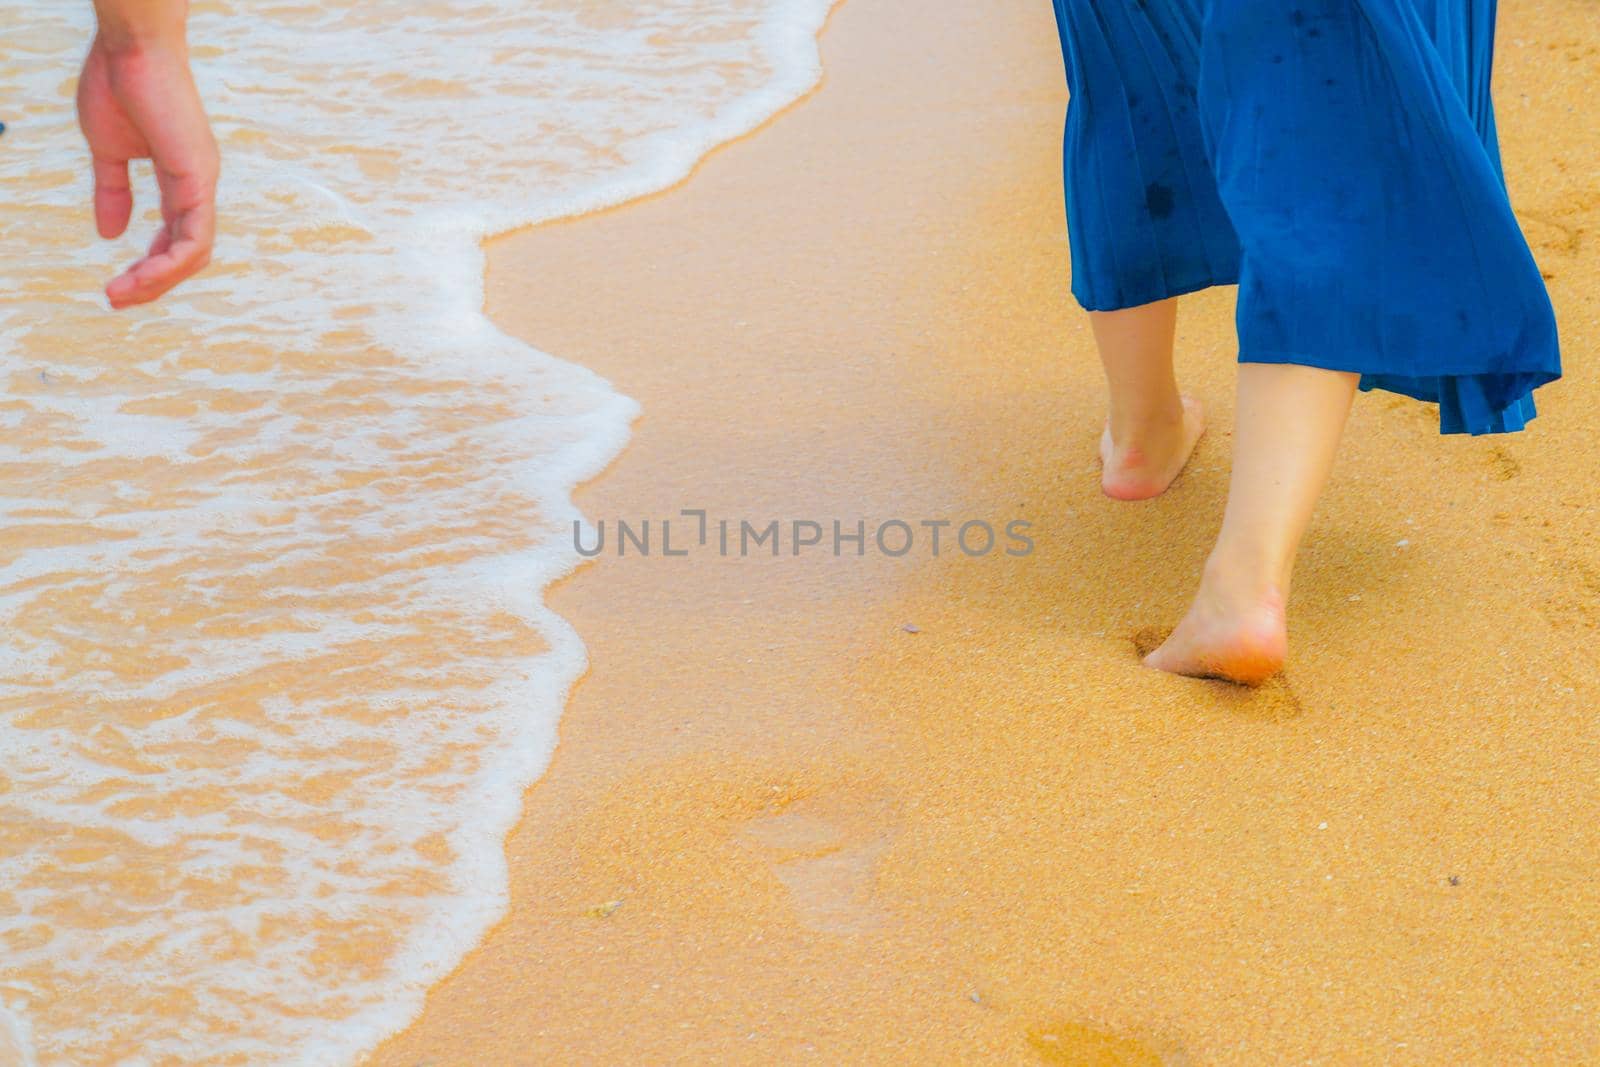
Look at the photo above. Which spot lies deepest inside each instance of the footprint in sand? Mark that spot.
(1079, 1045)
(1149, 638)
(1574, 602)
(1553, 232)
(1503, 463)
(825, 854)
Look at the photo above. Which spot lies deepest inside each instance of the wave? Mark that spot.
(278, 666)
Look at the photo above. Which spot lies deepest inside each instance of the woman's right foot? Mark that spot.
(1150, 457)
(1235, 630)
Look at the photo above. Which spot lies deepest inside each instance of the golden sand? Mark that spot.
(918, 810)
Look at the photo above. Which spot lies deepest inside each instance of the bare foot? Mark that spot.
(1230, 632)
(1146, 464)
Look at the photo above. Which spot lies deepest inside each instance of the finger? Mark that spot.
(113, 196)
(177, 253)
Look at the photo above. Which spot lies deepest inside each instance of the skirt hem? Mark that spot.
(1155, 294)
(1465, 404)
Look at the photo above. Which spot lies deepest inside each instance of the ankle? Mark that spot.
(1247, 577)
(1130, 429)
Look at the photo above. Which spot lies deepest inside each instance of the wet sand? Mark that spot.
(931, 809)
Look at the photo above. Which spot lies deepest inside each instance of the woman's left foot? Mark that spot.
(1232, 632)
(1145, 464)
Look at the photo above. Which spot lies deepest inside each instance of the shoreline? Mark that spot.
(725, 859)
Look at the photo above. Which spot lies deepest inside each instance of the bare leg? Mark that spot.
(1289, 423)
(1151, 429)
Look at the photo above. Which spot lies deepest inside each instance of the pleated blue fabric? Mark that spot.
(1338, 160)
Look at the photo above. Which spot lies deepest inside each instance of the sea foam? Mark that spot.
(277, 668)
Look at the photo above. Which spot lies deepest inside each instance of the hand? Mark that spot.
(138, 101)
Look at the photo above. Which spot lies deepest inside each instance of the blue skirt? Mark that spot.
(1336, 159)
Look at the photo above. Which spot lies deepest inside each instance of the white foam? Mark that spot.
(16, 1044)
(275, 436)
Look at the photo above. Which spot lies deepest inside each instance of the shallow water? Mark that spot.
(277, 668)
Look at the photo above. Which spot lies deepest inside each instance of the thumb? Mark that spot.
(113, 197)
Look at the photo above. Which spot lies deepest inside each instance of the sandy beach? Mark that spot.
(933, 809)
